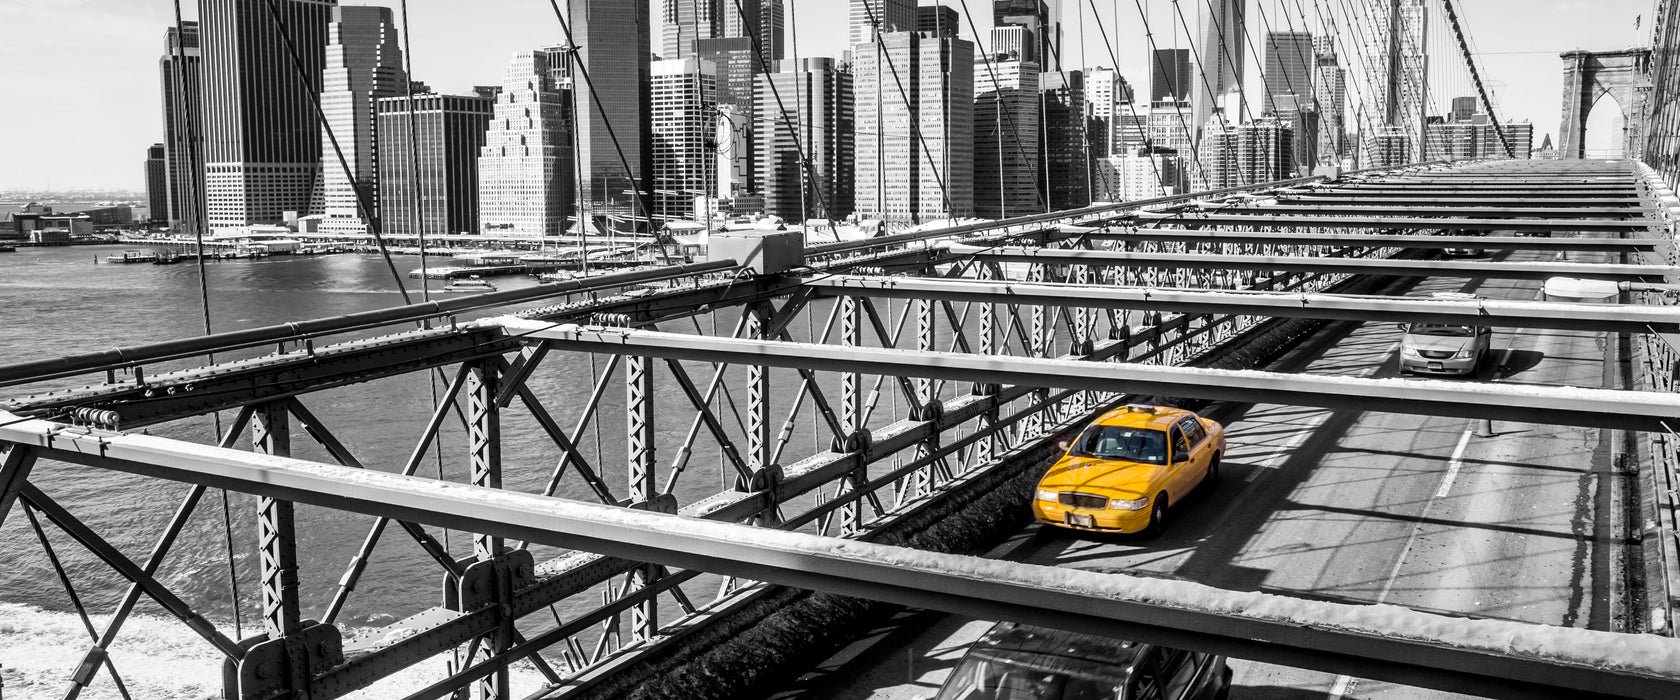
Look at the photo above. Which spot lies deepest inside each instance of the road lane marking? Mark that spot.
(1453, 465)
(1343, 684)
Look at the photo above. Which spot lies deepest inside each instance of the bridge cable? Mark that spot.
(364, 206)
(414, 165)
(639, 183)
(793, 129)
(1040, 187)
(915, 124)
(1476, 77)
(1160, 67)
(1201, 71)
(1131, 105)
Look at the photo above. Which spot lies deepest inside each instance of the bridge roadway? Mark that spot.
(1352, 507)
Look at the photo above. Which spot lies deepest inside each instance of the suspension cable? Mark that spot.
(915, 124)
(1155, 52)
(363, 206)
(1131, 105)
(1476, 77)
(787, 121)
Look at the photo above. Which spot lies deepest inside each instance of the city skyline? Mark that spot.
(121, 31)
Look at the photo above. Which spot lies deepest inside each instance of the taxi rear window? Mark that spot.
(1143, 445)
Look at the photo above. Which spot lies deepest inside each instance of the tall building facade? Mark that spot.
(1265, 151)
(157, 184)
(820, 123)
(428, 161)
(1330, 92)
(1289, 62)
(612, 114)
(1401, 61)
(364, 63)
(1172, 119)
(1170, 77)
(1042, 21)
(872, 17)
(1066, 162)
(915, 147)
(262, 142)
(940, 20)
(181, 73)
(1007, 152)
(684, 99)
(1223, 38)
(526, 168)
(1105, 92)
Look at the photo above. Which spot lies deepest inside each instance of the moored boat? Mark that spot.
(470, 285)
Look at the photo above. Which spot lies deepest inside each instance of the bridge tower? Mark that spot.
(1588, 76)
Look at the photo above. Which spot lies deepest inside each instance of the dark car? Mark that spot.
(1021, 662)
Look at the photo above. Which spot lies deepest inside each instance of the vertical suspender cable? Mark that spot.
(1476, 76)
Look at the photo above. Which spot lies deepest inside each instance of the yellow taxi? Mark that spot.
(1124, 470)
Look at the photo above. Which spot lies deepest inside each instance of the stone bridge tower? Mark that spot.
(1590, 75)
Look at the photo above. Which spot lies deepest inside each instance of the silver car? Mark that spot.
(1022, 662)
(1443, 348)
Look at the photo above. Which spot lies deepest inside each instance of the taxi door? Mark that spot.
(1181, 467)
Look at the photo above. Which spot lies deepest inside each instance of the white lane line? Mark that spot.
(1454, 465)
(1339, 689)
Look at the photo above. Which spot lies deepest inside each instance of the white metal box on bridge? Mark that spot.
(761, 250)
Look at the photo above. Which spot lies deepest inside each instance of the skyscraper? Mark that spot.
(772, 33)
(428, 182)
(1265, 151)
(1330, 91)
(526, 168)
(871, 17)
(1170, 79)
(1463, 108)
(1105, 91)
(157, 184)
(262, 142)
(684, 99)
(1401, 60)
(364, 63)
(1042, 19)
(822, 120)
(687, 21)
(1289, 61)
(1066, 164)
(915, 147)
(181, 73)
(1224, 27)
(1007, 171)
(942, 20)
(611, 113)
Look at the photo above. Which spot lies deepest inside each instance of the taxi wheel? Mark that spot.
(1157, 517)
(1212, 478)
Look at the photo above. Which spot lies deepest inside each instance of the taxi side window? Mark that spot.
(1180, 446)
(1193, 432)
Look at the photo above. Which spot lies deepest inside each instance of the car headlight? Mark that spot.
(1410, 352)
(1045, 495)
(1465, 352)
(1129, 504)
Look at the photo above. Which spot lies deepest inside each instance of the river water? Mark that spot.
(57, 301)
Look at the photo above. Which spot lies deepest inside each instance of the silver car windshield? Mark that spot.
(1443, 329)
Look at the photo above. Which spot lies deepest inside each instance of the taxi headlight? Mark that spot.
(1129, 504)
(1045, 495)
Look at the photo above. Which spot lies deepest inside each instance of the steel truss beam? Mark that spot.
(1615, 318)
(1501, 211)
(1351, 266)
(1596, 408)
(1374, 240)
(1470, 201)
(1280, 220)
(231, 385)
(70, 365)
(1490, 657)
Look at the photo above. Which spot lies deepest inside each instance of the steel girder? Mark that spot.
(1401, 222)
(1351, 266)
(230, 385)
(1615, 318)
(23, 372)
(1471, 201)
(1597, 408)
(1489, 657)
(1502, 211)
(1374, 240)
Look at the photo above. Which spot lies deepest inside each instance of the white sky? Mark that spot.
(82, 99)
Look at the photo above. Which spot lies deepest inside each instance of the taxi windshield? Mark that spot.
(1118, 442)
(1443, 329)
